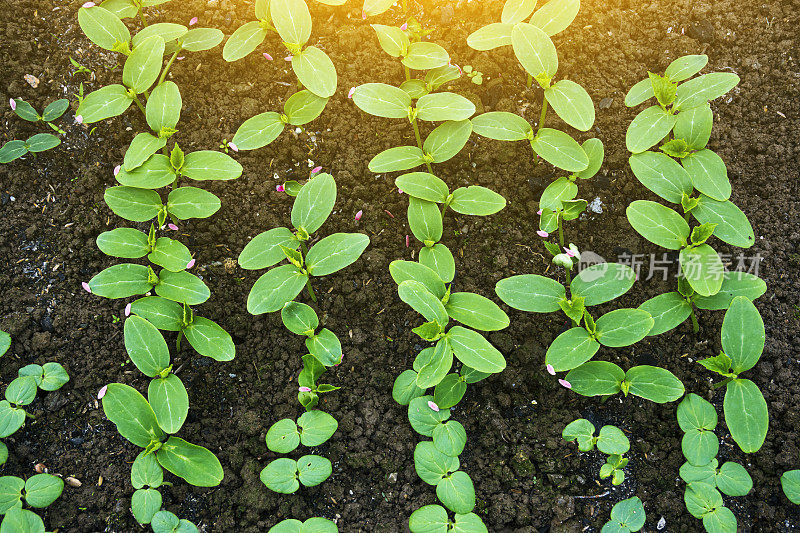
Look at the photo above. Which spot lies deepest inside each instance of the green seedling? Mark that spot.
(312, 525)
(610, 441)
(39, 142)
(22, 392)
(601, 378)
(435, 518)
(167, 522)
(743, 337)
(626, 516)
(309, 390)
(313, 428)
(79, 69)
(285, 475)
(475, 76)
(37, 491)
(414, 54)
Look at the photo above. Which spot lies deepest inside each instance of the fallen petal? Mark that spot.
(279, 188)
(304, 389)
(408, 241)
(315, 170)
(351, 92)
(190, 264)
(565, 383)
(87, 5)
(363, 14)
(543, 234)
(172, 226)
(102, 392)
(569, 252)
(539, 212)
(193, 21)
(267, 56)
(233, 147)
(359, 214)
(128, 310)
(404, 27)
(399, 191)
(86, 287)
(551, 370)
(78, 119)
(180, 58)
(117, 169)
(287, 58)
(433, 406)
(13, 104)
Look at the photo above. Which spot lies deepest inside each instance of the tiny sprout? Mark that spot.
(233, 147)
(128, 310)
(304, 389)
(172, 226)
(433, 406)
(565, 383)
(193, 21)
(551, 370)
(543, 234)
(102, 392)
(358, 215)
(13, 104)
(86, 287)
(280, 188)
(190, 264)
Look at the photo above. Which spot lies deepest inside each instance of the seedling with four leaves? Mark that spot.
(611, 441)
(41, 141)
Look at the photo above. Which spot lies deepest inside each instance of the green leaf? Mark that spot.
(376, 7)
(447, 140)
(708, 174)
(325, 346)
(699, 446)
(720, 520)
(440, 259)
(703, 89)
(11, 419)
(431, 464)
(145, 346)
(191, 202)
(476, 200)
(560, 150)
(170, 254)
(628, 515)
(450, 438)
(429, 519)
(302, 107)
(790, 482)
(313, 470)
(121, 281)
(733, 284)
(22, 390)
(103, 27)
(145, 503)
(281, 476)
(335, 252)
(5, 342)
(55, 109)
(11, 488)
(142, 147)
(154, 173)
(423, 55)
(473, 350)
(397, 158)
(742, 334)
(720, 363)
(199, 39)
(694, 126)
(423, 419)
(282, 436)
(314, 203)
(133, 416)
(531, 293)
(669, 310)
(449, 391)
(299, 318)
(581, 431)
(648, 129)
(12, 150)
(392, 39)
(703, 269)
(405, 387)
(162, 313)
(121, 8)
(658, 224)
(572, 103)
(685, 67)
(315, 70)
(490, 36)
(623, 327)
(107, 102)
(556, 15)
(265, 249)
(258, 131)
(146, 471)
(596, 153)
(33, 370)
(571, 349)
(166, 30)
(210, 165)
(733, 480)
(653, 383)
(444, 106)
(128, 243)
(382, 100)
(662, 175)
(502, 126)
(22, 521)
(732, 225)
(602, 282)
(137, 205)
(195, 464)
(41, 142)
(143, 66)
(612, 441)
(417, 296)
(457, 492)
(170, 402)
(476, 311)
(415, 88)
(244, 40)
(182, 287)
(535, 51)
(433, 364)
(437, 77)
(291, 19)
(317, 427)
(405, 270)
(746, 414)
(209, 339)
(705, 474)
(26, 111)
(163, 110)
(425, 220)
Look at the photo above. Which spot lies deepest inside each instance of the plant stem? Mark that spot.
(139, 104)
(311, 290)
(695, 324)
(419, 142)
(529, 81)
(561, 242)
(542, 118)
(166, 69)
(32, 417)
(141, 16)
(408, 72)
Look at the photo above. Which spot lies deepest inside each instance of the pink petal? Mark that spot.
(193, 21)
(128, 310)
(172, 226)
(87, 5)
(551, 370)
(78, 119)
(399, 191)
(233, 147)
(304, 389)
(86, 287)
(542, 234)
(569, 252)
(315, 170)
(13, 104)
(408, 241)
(565, 383)
(117, 169)
(404, 27)
(180, 58)
(363, 14)
(103, 389)
(267, 56)
(359, 214)
(539, 212)
(279, 188)
(190, 264)
(351, 92)
(287, 58)
(433, 406)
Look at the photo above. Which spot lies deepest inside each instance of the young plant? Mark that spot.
(167, 522)
(38, 492)
(626, 516)
(435, 518)
(685, 172)
(601, 378)
(610, 441)
(41, 141)
(22, 392)
(285, 475)
(475, 76)
(312, 525)
(414, 54)
(742, 336)
(309, 390)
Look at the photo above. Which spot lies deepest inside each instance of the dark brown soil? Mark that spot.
(527, 479)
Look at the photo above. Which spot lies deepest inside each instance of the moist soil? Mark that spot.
(527, 479)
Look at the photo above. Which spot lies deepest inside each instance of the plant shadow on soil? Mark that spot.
(527, 479)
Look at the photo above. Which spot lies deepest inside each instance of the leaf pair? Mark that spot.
(129, 279)
(285, 475)
(53, 111)
(383, 100)
(601, 378)
(141, 205)
(626, 516)
(552, 18)
(611, 440)
(259, 131)
(22, 391)
(418, 55)
(454, 487)
(159, 170)
(131, 243)
(442, 144)
(434, 519)
(37, 491)
(36, 143)
(313, 428)
(434, 78)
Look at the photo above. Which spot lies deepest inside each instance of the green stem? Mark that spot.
(529, 81)
(561, 242)
(542, 118)
(722, 383)
(419, 142)
(166, 69)
(141, 16)
(695, 323)
(311, 290)
(139, 104)
(408, 72)
(32, 417)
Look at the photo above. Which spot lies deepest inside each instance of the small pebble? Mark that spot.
(32, 80)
